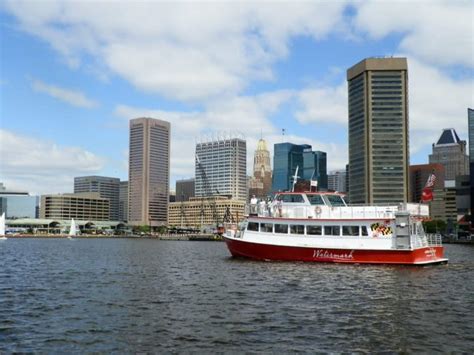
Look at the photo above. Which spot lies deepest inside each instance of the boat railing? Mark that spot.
(428, 240)
(434, 240)
(301, 211)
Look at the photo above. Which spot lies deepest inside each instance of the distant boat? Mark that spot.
(2, 227)
(73, 229)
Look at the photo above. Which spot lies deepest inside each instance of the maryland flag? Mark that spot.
(427, 193)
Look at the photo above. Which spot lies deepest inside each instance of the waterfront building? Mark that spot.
(221, 168)
(123, 201)
(450, 151)
(288, 157)
(18, 204)
(419, 175)
(201, 212)
(184, 189)
(378, 131)
(463, 194)
(337, 181)
(260, 183)
(470, 119)
(81, 206)
(3, 206)
(443, 207)
(149, 170)
(107, 187)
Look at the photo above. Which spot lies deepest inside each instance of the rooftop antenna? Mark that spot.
(283, 130)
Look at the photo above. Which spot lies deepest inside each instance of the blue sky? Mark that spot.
(73, 74)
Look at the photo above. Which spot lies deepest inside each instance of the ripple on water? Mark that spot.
(152, 296)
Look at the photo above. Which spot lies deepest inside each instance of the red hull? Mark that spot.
(421, 256)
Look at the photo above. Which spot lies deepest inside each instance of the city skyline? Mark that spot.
(222, 68)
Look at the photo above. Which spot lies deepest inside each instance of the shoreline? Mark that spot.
(191, 237)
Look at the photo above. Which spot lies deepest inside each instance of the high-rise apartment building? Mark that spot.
(107, 187)
(450, 151)
(288, 157)
(470, 119)
(337, 181)
(149, 170)
(221, 168)
(184, 189)
(378, 131)
(261, 182)
(123, 201)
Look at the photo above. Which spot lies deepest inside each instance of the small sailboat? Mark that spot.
(72, 230)
(2, 227)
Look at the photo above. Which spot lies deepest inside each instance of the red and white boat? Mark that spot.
(321, 227)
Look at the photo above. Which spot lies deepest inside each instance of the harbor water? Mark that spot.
(134, 295)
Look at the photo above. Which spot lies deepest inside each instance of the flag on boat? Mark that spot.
(427, 193)
(431, 181)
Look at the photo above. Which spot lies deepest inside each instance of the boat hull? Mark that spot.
(256, 251)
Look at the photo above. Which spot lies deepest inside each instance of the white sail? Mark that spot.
(72, 231)
(2, 225)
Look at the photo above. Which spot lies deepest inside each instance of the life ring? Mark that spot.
(318, 210)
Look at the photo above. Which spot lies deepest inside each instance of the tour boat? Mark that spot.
(321, 227)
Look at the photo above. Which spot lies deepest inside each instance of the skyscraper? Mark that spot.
(261, 181)
(149, 170)
(470, 118)
(337, 181)
(184, 189)
(288, 157)
(123, 201)
(221, 168)
(107, 187)
(378, 131)
(450, 151)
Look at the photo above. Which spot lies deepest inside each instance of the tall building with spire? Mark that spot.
(450, 151)
(261, 181)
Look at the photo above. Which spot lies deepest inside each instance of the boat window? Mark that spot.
(252, 226)
(332, 230)
(313, 230)
(364, 231)
(350, 230)
(315, 200)
(281, 228)
(335, 200)
(266, 227)
(296, 229)
(293, 198)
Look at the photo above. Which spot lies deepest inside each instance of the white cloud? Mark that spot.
(437, 101)
(73, 97)
(326, 104)
(438, 32)
(41, 166)
(183, 50)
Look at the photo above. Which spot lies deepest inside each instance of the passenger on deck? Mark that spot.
(253, 205)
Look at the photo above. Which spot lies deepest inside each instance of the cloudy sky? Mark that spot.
(74, 72)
